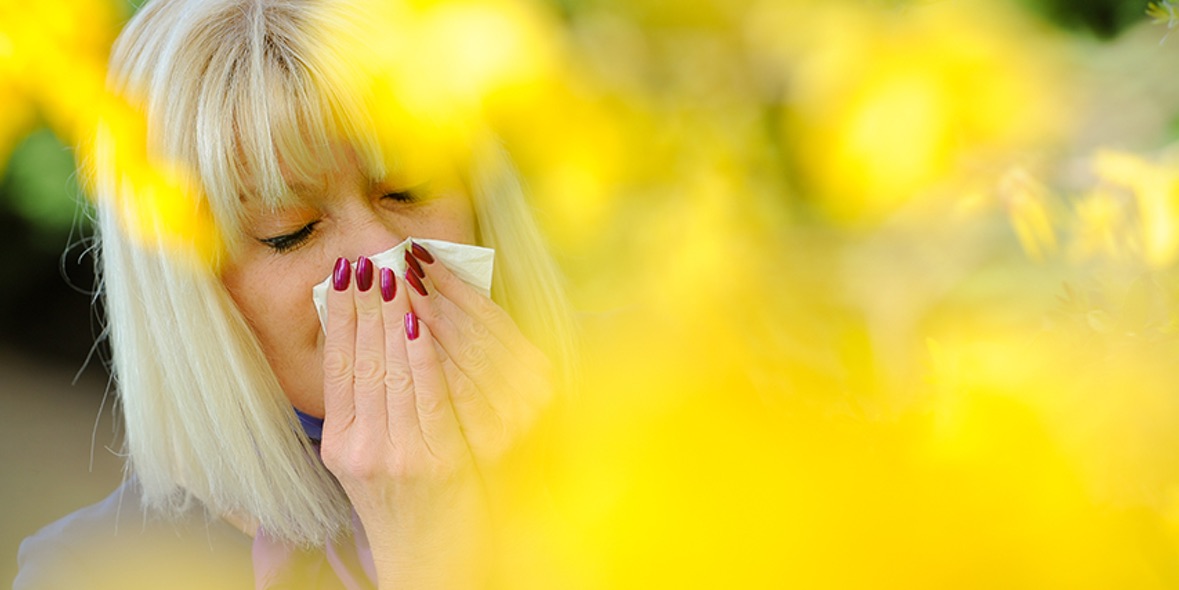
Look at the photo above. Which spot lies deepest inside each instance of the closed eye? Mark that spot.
(288, 242)
(402, 196)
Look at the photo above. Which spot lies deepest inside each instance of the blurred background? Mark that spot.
(877, 293)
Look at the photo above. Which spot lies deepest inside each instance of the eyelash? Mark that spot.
(404, 196)
(287, 242)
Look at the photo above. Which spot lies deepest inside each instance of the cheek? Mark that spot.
(450, 216)
(276, 304)
(277, 307)
(456, 222)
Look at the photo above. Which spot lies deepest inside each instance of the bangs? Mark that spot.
(275, 114)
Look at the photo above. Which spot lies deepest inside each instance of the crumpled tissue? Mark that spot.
(472, 264)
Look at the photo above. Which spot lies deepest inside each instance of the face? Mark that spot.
(289, 251)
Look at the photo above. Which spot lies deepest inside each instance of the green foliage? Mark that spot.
(1105, 18)
(41, 186)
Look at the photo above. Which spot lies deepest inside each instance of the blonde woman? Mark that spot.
(264, 450)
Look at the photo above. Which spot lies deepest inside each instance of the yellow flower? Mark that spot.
(1155, 188)
(1027, 203)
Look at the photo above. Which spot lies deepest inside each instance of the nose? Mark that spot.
(370, 233)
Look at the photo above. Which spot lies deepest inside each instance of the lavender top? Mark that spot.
(119, 543)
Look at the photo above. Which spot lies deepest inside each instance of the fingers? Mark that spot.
(462, 341)
(439, 426)
(485, 427)
(389, 419)
(496, 393)
(405, 393)
(400, 403)
(370, 366)
(339, 351)
(480, 308)
(383, 375)
(504, 363)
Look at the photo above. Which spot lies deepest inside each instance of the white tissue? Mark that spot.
(472, 264)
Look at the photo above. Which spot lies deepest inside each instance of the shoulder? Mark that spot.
(119, 543)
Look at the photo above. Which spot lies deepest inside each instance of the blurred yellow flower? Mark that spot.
(1100, 226)
(773, 399)
(887, 106)
(157, 202)
(1155, 190)
(1027, 203)
(53, 53)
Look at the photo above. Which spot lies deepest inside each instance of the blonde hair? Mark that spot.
(231, 88)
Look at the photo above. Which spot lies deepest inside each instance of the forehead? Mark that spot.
(307, 186)
(345, 171)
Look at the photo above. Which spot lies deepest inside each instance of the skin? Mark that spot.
(413, 429)
(272, 289)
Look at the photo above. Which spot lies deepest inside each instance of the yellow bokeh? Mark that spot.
(895, 106)
(1155, 188)
(157, 202)
(872, 296)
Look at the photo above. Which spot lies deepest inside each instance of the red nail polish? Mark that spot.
(388, 285)
(413, 264)
(411, 325)
(420, 253)
(342, 274)
(415, 282)
(364, 273)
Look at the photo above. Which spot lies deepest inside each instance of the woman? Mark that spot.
(229, 388)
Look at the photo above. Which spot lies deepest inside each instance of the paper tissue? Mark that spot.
(472, 264)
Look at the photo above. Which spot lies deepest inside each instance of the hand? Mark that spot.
(392, 438)
(499, 382)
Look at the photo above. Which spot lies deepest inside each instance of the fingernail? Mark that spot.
(420, 253)
(415, 282)
(388, 285)
(342, 274)
(413, 264)
(364, 273)
(411, 325)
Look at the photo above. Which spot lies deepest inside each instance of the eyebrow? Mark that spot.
(305, 189)
(299, 192)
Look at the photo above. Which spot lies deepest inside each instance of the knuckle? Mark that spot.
(398, 380)
(485, 307)
(500, 433)
(336, 362)
(368, 370)
(431, 404)
(472, 356)
(462, 390)
(365, 313)
(478, 330)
